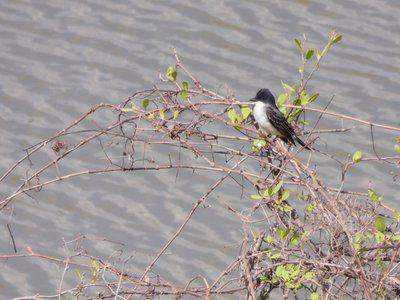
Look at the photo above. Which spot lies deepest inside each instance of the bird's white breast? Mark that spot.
(260, 114)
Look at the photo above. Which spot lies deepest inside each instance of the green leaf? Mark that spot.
(294, 115)
(176, 114)
(258, 144)
(280, 270)
(304, 98)
(283, 110)
(295, 238)
(288, 87)
(309, 54)
(379, 237)
(81, 276)
(374, 196)
(357, 156)
(295, 269)
(305, 235)
(359, 237)
(127, 109)
(301, 68)
(295, 241)
(95, 264)
(285, 275)
(282, 273)
(313, 98)
(268, 192)
(183, 94)
(256, 196)
(280, 232)
(95, 269)
(171, 74)
(397, 147)
(336, 40)
(162, 115)
(325, 50)
(308, 275)
(298, 43)
(380, 224)
(145, 103)
(184, 91)
(232, 116)
(395, 237)
(283, 233)
(265, 278)
(293, 285)
(396, 215)
(273, 256)
(246, 111)
(369, 236)
(304, 123)
(379, 263)
(311, 206)
(286, 208)
(281, 99)
(131, 109)
(270, 239)
(277, 188)
(317, 55)
(285, 195)
(151, 116)
(314, 296)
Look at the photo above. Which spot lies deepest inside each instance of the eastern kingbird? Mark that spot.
(270, 118)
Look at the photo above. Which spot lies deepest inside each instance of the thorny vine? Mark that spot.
(327, 246)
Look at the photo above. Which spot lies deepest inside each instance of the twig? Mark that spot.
(12, 238)
(196, 205)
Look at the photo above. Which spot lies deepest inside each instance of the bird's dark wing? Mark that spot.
(278, 120)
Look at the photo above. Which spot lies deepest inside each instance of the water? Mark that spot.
(60, 58)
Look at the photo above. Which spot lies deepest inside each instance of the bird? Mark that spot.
(270, 118)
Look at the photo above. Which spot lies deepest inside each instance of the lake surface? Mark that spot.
(59, 58)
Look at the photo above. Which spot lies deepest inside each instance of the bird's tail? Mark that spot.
(303, 144)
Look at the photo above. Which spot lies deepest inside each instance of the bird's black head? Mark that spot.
(264, 95)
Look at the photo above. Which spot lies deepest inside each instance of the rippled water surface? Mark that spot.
(59, 58)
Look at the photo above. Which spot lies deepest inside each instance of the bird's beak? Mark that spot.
(252, 100)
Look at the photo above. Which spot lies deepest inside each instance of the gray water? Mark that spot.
(59, 58)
